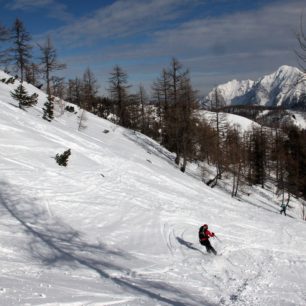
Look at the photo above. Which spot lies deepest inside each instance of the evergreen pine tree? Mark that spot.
(20, 94)
(62, 159)
(33, 99)
(48, 109)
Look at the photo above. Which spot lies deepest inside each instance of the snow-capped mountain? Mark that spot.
(119, 224)
(230, 90)
(285, 87)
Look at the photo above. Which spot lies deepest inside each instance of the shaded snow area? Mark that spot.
(119, 225)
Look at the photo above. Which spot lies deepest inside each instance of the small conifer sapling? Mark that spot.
(62, 159)
(48, 109)
(21, 95)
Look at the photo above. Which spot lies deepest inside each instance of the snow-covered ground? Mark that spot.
(119, 225)
(241, 123)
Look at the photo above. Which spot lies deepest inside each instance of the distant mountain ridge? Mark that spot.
(285, 87)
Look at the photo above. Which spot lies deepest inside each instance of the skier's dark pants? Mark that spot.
(208, 246)
(283, 211)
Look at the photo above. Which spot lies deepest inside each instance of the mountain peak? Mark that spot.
(230, 90)
(276, 89)
(286, 68)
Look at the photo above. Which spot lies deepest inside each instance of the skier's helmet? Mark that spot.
(205, 226)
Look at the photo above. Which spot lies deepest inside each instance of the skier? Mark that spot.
(283, 209)
(204, 235)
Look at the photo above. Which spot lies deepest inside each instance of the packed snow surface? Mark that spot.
(119, 225)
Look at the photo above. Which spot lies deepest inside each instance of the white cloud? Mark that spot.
(244, 44)
(27, 4)
(241, 45)
(121, 19)
(54, 9)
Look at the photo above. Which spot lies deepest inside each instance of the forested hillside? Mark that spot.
(117, 222)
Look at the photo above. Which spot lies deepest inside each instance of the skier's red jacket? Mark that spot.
(204, 235)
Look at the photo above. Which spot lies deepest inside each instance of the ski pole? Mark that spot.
(217, 238)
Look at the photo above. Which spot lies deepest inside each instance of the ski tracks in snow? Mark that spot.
(253, 279)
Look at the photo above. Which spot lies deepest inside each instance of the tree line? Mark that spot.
(171, 115)
(17, 54)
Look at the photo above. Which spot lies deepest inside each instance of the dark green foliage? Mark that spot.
(48, 109)
(20, 94)
(62, 159)
(33, 99)
(10, 80)
(69, 109)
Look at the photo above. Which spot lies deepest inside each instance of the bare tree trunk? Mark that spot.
(237, 181)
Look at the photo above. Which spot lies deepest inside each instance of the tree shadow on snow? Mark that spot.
(270, 208)
(150, 146)
(56, 244)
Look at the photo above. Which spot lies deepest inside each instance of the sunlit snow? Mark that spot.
(119, 225)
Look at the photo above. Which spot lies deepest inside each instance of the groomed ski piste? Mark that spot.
(119, 225)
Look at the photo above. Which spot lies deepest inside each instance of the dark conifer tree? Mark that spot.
(62, 159)
(21, 95)
(48, 109)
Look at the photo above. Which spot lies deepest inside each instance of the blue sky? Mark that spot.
(218, 40)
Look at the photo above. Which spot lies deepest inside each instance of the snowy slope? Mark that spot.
(119, 225)
(284, 87)
(241, 123)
